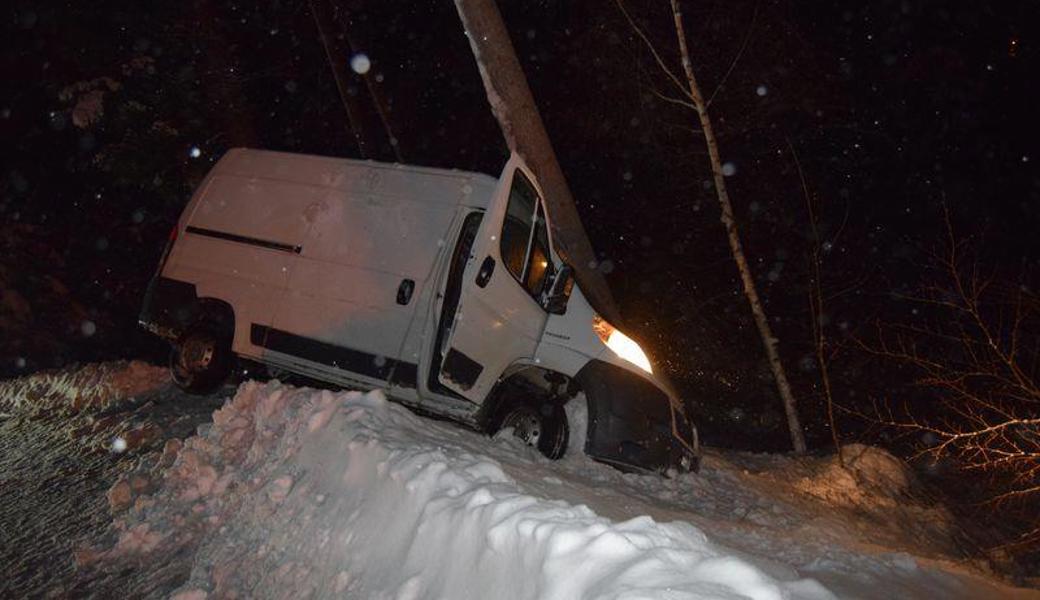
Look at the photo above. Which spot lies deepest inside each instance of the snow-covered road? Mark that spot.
(296, 492)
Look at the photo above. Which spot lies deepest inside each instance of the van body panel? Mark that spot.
(253, 300)
(632, 423)
(239, 206)
(367, 259)
(431, 185)
(572, 330)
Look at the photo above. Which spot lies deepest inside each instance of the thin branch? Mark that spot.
(673, 100)
(653, 50)
(816, 306)
(743, 46)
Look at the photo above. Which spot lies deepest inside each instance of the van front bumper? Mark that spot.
(633, 424)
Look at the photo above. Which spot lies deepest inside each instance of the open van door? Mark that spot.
(500, 318)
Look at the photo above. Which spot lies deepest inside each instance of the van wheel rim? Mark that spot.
(525, 425)
(197, 354)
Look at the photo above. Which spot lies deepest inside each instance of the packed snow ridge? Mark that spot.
(311, 493)
(324, 494)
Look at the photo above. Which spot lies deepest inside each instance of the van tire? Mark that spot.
(201, 360)
(542, 425)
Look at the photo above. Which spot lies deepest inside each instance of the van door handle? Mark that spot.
(404, 292)
(486, 269)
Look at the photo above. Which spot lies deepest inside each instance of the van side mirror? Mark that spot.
(555, 301)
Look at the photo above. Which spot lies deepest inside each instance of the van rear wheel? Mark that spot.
(201, 360)
(542, 426)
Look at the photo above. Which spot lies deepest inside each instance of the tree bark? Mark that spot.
(514, 108)
(765, 332)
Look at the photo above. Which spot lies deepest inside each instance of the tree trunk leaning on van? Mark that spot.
(514, 108)
(695, 100)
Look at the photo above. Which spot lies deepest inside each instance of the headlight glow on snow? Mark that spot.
(622, 345)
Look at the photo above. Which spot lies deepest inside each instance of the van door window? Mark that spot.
(539, 263)
(518, 226)
(525, 239)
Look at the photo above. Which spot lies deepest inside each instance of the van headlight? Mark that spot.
(622, 345)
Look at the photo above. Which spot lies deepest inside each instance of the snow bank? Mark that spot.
(870, 476)
(311, 493)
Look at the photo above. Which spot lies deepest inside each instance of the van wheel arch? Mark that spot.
(532, 393)
(216, 313)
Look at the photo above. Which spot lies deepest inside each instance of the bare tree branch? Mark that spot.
(736, 59)
(657, 57)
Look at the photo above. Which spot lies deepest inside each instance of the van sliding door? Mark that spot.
(355, 286)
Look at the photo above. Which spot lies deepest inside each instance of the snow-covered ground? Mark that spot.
(57, 461)
(296, 492)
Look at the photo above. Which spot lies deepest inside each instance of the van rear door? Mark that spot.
(499, 319)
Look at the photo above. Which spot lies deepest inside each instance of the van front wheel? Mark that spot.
(201, 360)
(542, 426)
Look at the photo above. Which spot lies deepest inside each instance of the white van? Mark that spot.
(441, 287)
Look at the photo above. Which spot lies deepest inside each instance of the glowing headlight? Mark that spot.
(622, 345)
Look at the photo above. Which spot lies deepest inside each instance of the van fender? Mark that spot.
(171, 307)
(557, 365)
(560, 359)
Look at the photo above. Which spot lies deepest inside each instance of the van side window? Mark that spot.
(539, 264)
(517, 226)
(525, 240)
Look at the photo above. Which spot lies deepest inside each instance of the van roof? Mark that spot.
(438, 185)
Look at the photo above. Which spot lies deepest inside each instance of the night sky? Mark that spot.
(111, 112)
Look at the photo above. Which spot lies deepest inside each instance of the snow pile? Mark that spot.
(312, 493)
(870, 476)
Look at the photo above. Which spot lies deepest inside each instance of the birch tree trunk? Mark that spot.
(765, 332)
(514, 108)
